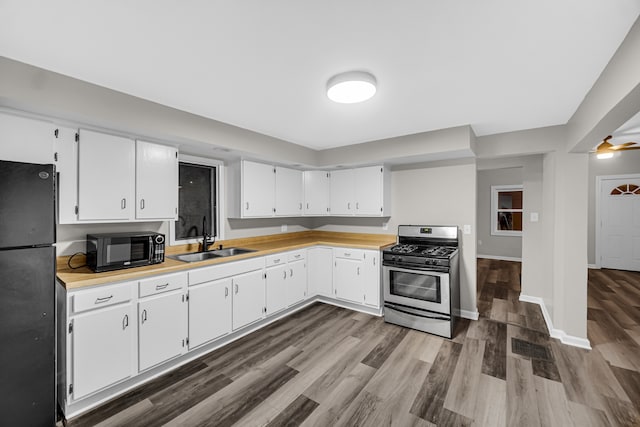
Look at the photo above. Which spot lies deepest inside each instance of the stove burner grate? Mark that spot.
(404, 249)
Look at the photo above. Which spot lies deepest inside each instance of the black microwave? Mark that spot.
(114, 251)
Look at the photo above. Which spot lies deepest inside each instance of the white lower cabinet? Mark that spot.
(276, 288)
(102, 349)
(162, 321)
(356, 276)
(209, 311)
(320, 271)
(248, 298)
(297, 286)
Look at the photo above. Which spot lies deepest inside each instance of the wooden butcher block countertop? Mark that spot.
(264, 245)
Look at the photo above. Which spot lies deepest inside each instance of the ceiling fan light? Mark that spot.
(605, 155)
(351, 87)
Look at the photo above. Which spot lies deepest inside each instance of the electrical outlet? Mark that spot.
(283, 228)
(534, 216)
(466, 229)
(479, 242)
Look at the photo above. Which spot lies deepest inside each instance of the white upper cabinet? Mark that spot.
(106, 177)
(361, 192)
(26, 140)
(316, 193)
(342, 192)
(66, 150)
(156, 181)
(288, 192)
(369, 190)
(258, 189)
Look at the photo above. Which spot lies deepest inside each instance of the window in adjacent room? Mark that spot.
(199, 192)
(506, 210)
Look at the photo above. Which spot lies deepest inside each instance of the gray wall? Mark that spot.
(495, 246)
(622, 163)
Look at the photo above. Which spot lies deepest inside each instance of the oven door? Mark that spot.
(427, 290)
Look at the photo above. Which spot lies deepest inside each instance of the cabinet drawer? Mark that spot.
(156, 285)
(102, 297)
(276, 259)
(296, 255)
(348, 253)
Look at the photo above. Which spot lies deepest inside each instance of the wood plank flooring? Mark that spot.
(328, 366)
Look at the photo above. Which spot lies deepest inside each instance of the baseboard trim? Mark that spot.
(500, 258)
(593, 266)
(466, 314)
(553, 332)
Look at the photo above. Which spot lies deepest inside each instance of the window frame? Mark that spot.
(220, 198)
(495, 190)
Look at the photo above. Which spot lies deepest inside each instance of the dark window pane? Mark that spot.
(510, 221)
(195, 201)
(510, 200)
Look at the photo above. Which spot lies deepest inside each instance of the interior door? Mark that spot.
(620, 223)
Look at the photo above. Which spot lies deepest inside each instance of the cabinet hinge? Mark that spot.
(70, 389)
(70, 327)
(176, 154)
(76, 210)
(381, 208)
(187, 340)
(264, 309)
(265, 275)
(55, 156)
(380, 169)
(274, 170)
(187, 300)
(77, 136)
(55, 133)
(274, 209)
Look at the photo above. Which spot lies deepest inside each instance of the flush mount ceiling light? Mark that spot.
(351, 87)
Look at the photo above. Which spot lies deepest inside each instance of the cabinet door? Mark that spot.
(209, 311)
(297, 281)
(67, 170)
(258, 189)
(106, 173)
(248, 298)
(320, 271)
(316, 193)
(102, 349)
(347, 280)
(276, 288)
(341, 192)
(156, 181)
(371, 279)
(288, 192)
(26, 140)
(368, 190)
(162, 329)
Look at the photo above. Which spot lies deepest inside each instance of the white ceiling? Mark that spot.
(499, 65)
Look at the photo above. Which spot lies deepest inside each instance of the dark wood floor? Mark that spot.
(329, 366)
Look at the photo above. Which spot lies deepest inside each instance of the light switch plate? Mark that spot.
(466, 229)
(534, 216)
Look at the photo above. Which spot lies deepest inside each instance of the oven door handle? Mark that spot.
(414, 314)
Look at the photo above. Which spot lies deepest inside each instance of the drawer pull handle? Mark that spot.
(100, 300)
(298, 256)
(347, 254)
(275, 261)
(144, 316)
(226, 292)
(125, 322)
(161, 287)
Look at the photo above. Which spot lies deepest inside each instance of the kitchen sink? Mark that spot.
(201, 256)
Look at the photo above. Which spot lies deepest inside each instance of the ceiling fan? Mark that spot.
(605, 149)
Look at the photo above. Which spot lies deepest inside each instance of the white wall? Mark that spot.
(437, 194)
(622, 163)
(489, 245)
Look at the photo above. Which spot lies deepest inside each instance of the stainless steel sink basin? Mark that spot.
(232, 251)
(201, 256)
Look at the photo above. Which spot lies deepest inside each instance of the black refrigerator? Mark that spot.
(27, 294)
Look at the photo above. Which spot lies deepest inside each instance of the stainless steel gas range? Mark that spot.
(420, 279)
